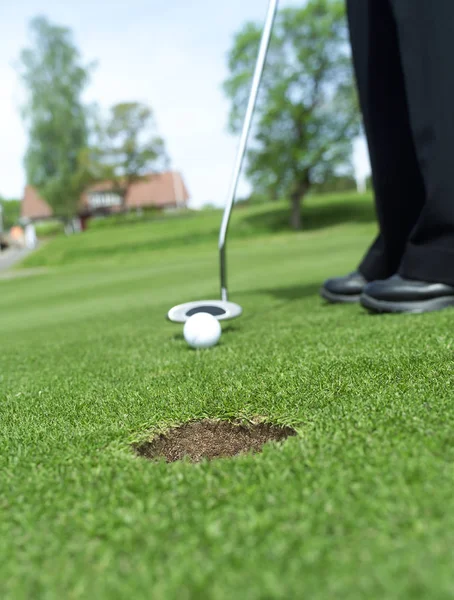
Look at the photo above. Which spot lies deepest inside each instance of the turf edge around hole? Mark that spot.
(209, 440)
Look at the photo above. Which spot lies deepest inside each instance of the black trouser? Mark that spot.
(403, 52)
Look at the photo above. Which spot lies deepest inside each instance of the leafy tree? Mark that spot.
(337, 183)
(307, 115)
(55, 115)
(130, 147)
(10, 210)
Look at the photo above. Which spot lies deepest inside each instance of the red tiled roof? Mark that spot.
(160, 190)
(166, 189)
(33, 206)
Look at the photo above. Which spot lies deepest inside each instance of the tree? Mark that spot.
(307, 115)
(55, 115)
(335, 184)
(10, 210)
(130, 147)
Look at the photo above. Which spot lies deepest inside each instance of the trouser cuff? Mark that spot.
(422, 263)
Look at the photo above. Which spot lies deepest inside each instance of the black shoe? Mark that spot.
(344, 289)
(398, 295)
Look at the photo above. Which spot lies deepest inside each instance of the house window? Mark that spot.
(104, 200)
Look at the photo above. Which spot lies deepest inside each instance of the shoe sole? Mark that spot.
(416, 307)
(339, 298)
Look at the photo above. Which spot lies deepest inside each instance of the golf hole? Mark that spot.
(209, 440)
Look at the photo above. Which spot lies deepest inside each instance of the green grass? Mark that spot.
(360, 505)
(49, 228)
(133, 217)
(117, 244)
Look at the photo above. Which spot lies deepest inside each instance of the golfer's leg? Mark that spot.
(426, 36)
(398, 182)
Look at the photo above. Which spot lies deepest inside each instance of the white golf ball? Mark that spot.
(202, 330)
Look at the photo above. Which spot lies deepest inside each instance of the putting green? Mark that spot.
(359, 505)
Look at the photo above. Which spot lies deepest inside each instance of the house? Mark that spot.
(33, 207)
(163, 191)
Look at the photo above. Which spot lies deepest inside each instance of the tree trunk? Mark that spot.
(299, 191)
(295, 216)
(124, 195)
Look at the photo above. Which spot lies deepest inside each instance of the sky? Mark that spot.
(170, 55)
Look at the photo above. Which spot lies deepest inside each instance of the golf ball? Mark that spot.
(202, 330)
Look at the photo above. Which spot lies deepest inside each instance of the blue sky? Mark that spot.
(171, 55)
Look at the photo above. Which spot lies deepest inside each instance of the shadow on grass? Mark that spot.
(315, 216)
(296, 292)
(283, 294)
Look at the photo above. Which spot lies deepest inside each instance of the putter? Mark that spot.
(222, 309)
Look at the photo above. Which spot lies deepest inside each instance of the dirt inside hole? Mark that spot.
(212, 439)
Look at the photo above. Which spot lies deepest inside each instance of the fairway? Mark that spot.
(359, 505)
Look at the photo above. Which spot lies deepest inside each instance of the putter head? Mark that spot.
(220, 309)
